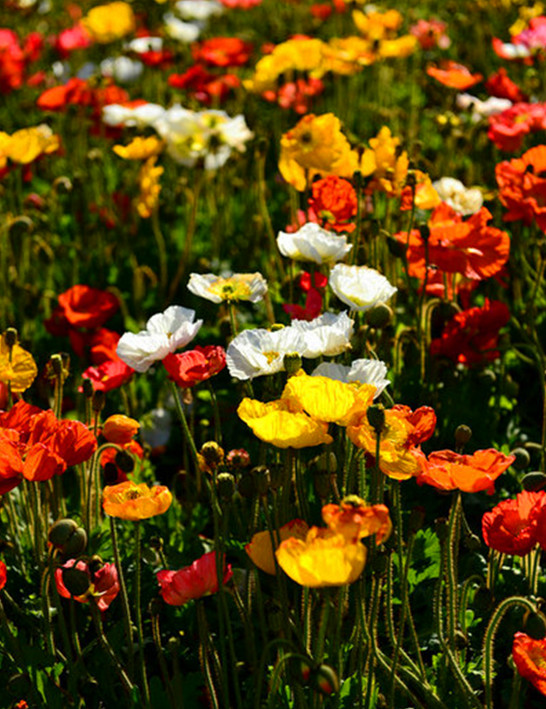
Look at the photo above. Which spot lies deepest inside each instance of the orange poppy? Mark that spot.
(530, 658)
(134, 502)
(120, 429)
(355, 520)
(456, 76)
(260, 549)
(447, 470)
(522, 184)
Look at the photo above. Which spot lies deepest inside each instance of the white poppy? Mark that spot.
(142, 45)
(327, 335)
(313, 243)
(198, 9)
(239, 286)
(364, 371)
(360, 287)
(464, 200)
(140, 116)
(179, 30)
(482, 109)
(254, 353)
(165, 332)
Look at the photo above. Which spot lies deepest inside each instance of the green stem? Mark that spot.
(124, 597)
(138, 614)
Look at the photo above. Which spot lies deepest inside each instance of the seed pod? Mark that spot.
(76, 581)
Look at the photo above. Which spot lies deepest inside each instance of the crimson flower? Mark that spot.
(508, 129)
(501, 86)
(104, 583)
(192, 582)
(87, 307)
(510, 527)
(204, 85)
(195, 366)
(108, 375)
(471, 336)
(334, 201)
(3, 575)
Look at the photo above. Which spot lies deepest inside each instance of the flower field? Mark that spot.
(272, 354)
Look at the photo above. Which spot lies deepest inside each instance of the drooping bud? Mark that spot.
(462, 435)
(262, 477)
(212, 453)
(534, 481)
(292, 363)
(379, 316)
(225, 486)
(125, 461)
(522, 460)
(376, 418)
(99, 399)
(326, 680)
(10, 337)
(120, 429)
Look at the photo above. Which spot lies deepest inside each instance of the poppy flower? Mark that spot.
(120, 429)
(108, 375)
(70, 39)
(192, 582)
(529, 656)
(334, 201)
(87, 307)
(454, 75)
(204, 85)
(539, 519)
(139, 148)
(510, 527)
(471, 336)
(103, 583)
(296, 95)
(195, 366)
(354, 519)
(385, 163)
(135, 502)
(102, 345)
(313, 243)
(447, 470)
(222, 51)
(431, 34)
(113, 474)
(362, 371)
(522, 185)
(260, 548)
(508, 128)
(238, 286)
(17, 366)
(3, 574)
(106, 23)
(470, 247)
(501, 86)
(360, 287)
(311, 309)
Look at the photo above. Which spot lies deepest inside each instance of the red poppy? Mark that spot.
(296, 95)
(192, 582)
(103, 583)
(110, 374)
(222, 51)
(71, 39)
(501, 86)
(471, 248)
(204, 85)
(508, 129)
(522, 184)
(471, 336)
(311, 310)
(431, 34)
(103, 344)
(334, 201)
(447, 470)
(3, 575)
(14, 58)
(306, 282)
(87, 307)
(82, 93)
(454, 75)
(241, 4)
(195, 366)
(510, 527)
(529, 656)
(539, 519)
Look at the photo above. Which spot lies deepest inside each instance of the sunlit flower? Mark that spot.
(482, 109)
(139, 148)
(3, 574)
(179, 30)
(334, 203)
(122, 69)
(135, 502)
(27, 144)
(500, 86)
(103, 583)
(510, 527)
(109, 374)
(195, 366)
(522, 184)
(141, 115)
(508, 129)
(312, 243)
(17, 366)
(263, 544)
(316, 146)
(120, 429)
(447, 470)
(165, 332)
(106, 23)
(327, 335)
(363, 371)
(431, 34)
(454, 75)
(254, 353)
(83, 306)
(464, 200)
(385, 162)
(283, 424)
(222, 51)
(354, 519)
(192, 582)
(150, 188)
(360, 287)
(239, 286)
(198, 9)
(529, 656)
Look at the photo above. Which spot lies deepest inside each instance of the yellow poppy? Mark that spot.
(260, 548)
(134, 502)
(384, 161)
(27, 144)
(106, 23)
(148, 178)
(17, 367)
(139, 148)
(278, 423)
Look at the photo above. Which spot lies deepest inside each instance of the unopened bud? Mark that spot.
(99, 399)
(56, 364)
(238, 458)
(292, 363)
(534, 481)
(212, 454)
(225, 486)
(62, 185)
(326, 680)
(424, 230)
(535, 625)
(125, 461)
(20, 226)
(462, 435)
(61, 531)
(379, 316)
(87, 387)
(10, 337)
(262, 478)
(110, 474)
(76, 544)
(397, 248)
(77, 582)
(376, 417)
(522, 458)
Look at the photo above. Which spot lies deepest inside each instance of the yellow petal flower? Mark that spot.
(260, 548)
(321, 559)
(139, 148)
(354, 519)
(275, 423)
(18, 369)
(27, 144)
(134, 502)
(106, 23)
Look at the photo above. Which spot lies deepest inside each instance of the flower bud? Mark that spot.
(10, 337)
(472, 542)
(110, 474)
(225, 486)
(326, 680)
(99, 399)
(376, 418)
(522, 460)
(120, 429)
(397, 248)
(535, 625)
(20, 226)
(156, 543)
(238, 458)
(276, 326)
(95, 564)
(424, 230)
(292, 363)
(87, 387)
(462, 435)
(125, 461)
(212, 453)
(76, 544)
(76, 581)
(379, 316)
(61, 531)
(533, 482)
(62, 185)
(56, 364)
(262, 478)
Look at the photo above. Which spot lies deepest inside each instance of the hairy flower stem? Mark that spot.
(451, 555)
(187, 435)
(489, 640)
(138, 614)
(93, 471)
(95, 613)
(124, 597)
(204, 639)
(176, 701)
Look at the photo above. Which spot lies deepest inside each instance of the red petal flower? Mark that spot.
(88, 307)
(530, 658)
(108, 375)
(197, 365)
(192, 582)
(510, 527)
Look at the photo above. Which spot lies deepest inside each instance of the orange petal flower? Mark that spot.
(120, 429)
(454, 75)
(356, 520)
(134, 502)
(530, 658)
(260, 548)
(447, 470)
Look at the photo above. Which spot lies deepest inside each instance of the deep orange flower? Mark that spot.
(510, 527)
(135, 502)
(529, 656)
(522, 184)
(222, 51)
(472, 336)
(355, 520)
(334, 203)
(508, 129)
(120, 429)
(454, 75)
(88, 307)
(470, 247)
(447, 470)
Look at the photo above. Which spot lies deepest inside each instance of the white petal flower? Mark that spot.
(254, 353)
(141, 116)
(364, 371)
(482, 109)
(360, 287)
(164, 333)
(179, 30)
(239, 286)
(328, 335)
(141, 45)
(123, 69)
(464, 200)
(313, 243)
(198, 9)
